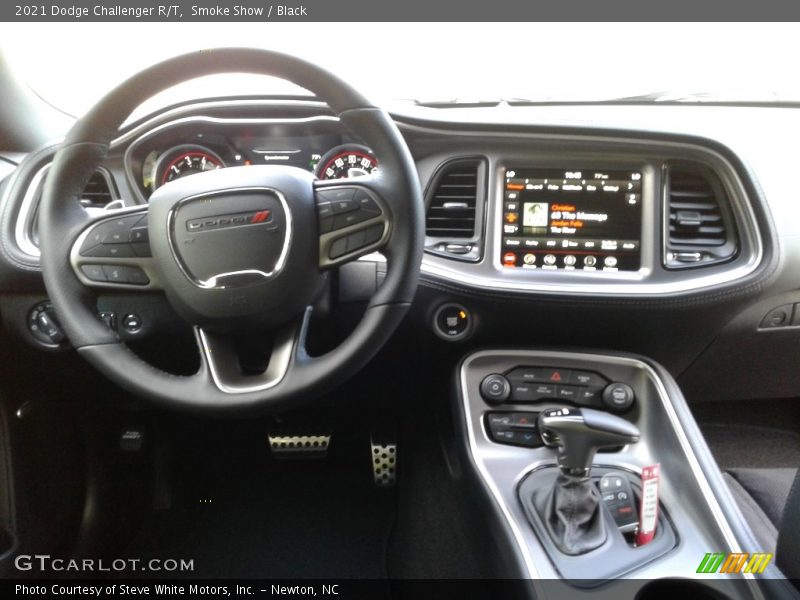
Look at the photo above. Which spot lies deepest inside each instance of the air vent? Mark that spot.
(453, 201)
(97, 193)
(699, 227)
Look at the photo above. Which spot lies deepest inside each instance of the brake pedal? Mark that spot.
(384, 462)
(299, 446)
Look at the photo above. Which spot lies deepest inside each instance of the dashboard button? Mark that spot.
(528, 374)
(589, 397)
(541, 391)
(587, 378)
(495, 388)
(567, 392)
(522, 392)
(324, 209)
(590, 261)
(558, 375)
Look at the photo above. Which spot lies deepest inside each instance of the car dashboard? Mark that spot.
(540, 226)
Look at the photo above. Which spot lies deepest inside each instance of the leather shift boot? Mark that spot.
(571, 513)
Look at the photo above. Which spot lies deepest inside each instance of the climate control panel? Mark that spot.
(530, 384)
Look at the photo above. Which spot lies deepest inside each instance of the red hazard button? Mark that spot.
(559, 375)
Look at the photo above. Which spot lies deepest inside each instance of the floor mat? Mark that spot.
(740, 446)
(261, 518)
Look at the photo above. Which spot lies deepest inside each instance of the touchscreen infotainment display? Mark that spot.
(576, 219)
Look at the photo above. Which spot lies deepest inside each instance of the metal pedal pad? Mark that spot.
(299, 446)
(384, 463)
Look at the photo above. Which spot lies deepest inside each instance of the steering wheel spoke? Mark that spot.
(223, 366)
(353, 219)
(113, 251)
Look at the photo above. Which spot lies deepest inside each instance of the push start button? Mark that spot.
(452, 322)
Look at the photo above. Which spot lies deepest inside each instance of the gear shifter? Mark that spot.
(571, 508)
(579, 433)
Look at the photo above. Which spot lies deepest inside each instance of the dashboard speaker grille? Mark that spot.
(452, 205)
(699, 227)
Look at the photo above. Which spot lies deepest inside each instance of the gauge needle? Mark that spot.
(356, 172)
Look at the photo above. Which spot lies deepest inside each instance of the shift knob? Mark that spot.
(579, 433)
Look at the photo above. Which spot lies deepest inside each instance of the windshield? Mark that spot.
(429, 62)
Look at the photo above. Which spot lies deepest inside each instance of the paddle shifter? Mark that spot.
(571, 509)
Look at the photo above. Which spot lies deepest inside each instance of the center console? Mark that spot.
(565, 445)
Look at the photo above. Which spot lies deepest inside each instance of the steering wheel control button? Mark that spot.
(111, 232)
(142, 249)
(618, 397)
(366, 203)
(350, 218)
(94, 272)
(338, 248)
(452, 322)
(495, 389)
(136, 276)
(514, 429)
(116, 273)
(336, 196)
(132, 323)
(139, 234)
(110, 251)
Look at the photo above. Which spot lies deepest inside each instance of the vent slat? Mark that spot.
(97, 193)
(695, 215)
(451, 210)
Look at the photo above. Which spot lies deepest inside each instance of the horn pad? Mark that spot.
(237, 247)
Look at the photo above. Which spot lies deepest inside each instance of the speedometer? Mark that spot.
(182, 161)
(349, 160)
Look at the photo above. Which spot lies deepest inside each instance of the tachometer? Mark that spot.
(182, 161)
(349, 160)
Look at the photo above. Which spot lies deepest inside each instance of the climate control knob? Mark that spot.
(618, 397)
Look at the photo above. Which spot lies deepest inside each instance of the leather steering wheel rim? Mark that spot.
(62, 219)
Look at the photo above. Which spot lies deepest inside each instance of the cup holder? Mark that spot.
(679, 588)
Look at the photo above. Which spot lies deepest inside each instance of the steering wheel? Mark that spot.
(235, 249)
